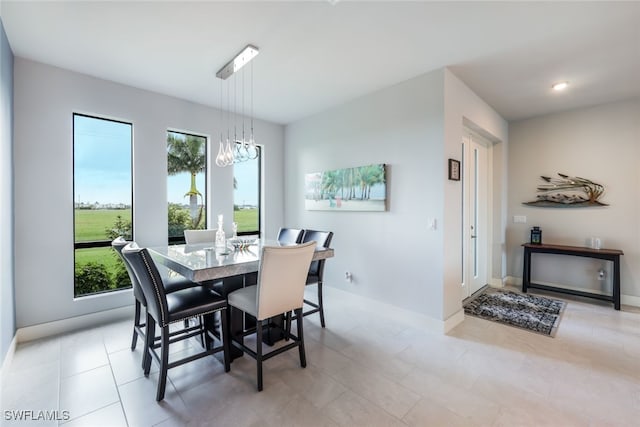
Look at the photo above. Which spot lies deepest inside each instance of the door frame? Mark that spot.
(468, 135)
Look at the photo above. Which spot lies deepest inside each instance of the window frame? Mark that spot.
(259, 230)
(96, 243)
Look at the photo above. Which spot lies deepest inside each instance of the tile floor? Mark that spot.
(365, 369)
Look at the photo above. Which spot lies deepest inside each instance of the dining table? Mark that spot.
(225, 270)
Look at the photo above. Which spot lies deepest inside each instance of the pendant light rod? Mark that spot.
(238, 61)
(235, 150)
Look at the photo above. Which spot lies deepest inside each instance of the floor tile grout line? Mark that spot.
(79, 373)
(335, 378)
(115, 383)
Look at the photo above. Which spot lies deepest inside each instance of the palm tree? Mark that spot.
(351, 182)
(329, 183)
(369, 176)
(187, 155)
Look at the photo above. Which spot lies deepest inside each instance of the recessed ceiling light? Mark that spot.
(560, 86)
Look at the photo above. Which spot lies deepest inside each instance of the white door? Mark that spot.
(475, 220)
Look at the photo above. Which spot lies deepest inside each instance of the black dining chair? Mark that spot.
(171, 284)
(280, 289)
(289, 235)
(165, 308)
(316, 270)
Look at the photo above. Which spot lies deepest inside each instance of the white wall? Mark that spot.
(45, 99)
(392, 255)
(601, 143)
(7, 305)
(413, 127)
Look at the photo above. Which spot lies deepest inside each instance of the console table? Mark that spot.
(612, 255)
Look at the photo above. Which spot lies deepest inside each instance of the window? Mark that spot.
(246, 195)
(102, 194)
(186, 184)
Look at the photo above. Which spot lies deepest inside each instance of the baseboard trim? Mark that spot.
(496, 283)
(8, 358)
(512, 281)
(453, 321)
(42, 330)
(630, 300)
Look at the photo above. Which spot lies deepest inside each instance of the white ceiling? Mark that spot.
(317, 54)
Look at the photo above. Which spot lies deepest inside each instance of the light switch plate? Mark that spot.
(521, 219)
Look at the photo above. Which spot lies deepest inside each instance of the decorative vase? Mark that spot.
(221, 240)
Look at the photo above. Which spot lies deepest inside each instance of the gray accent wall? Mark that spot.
(7, 300)
(45, 99)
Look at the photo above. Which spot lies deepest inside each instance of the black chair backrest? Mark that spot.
(150, 281)
(290, 235)
(117, 245)
(323, 240)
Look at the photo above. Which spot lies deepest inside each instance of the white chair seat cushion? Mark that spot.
(245, 299)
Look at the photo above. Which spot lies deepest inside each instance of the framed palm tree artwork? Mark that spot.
(362, 188)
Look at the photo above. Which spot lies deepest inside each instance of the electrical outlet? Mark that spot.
(348, 277)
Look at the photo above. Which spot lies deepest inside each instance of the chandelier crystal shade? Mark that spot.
(238, 144)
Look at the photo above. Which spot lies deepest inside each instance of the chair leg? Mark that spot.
(203, 329)
(148, 344)
(205, 338)
(259, 352)
(136, 322)
(164, 362)
(226, 340)
(287, 325)
(320, 305)
(299, 322)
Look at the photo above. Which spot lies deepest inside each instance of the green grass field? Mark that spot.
(247, 219)
(91, 224)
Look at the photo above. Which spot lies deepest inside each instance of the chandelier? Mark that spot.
(239, 144)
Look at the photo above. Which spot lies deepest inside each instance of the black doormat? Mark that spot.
(530, 312)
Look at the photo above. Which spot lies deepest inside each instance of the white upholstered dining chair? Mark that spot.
(281, 280)
(200, 236)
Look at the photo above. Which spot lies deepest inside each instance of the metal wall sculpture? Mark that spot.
(568, 192)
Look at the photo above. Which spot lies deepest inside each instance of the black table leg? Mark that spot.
(235, 319)
(235, 325)
(526, 270)
(274, 330)
(616, 283)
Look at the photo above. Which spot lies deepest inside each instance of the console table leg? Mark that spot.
(526, 270)
(616, 283)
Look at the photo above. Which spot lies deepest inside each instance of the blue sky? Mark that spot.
(102, 156)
